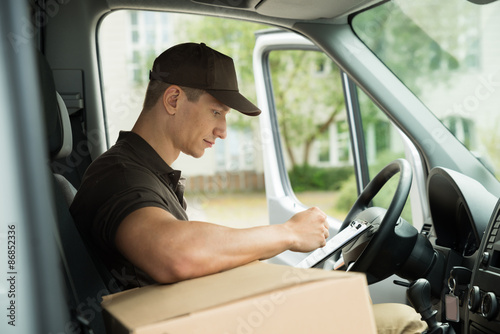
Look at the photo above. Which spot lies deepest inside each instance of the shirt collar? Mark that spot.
(150, 157)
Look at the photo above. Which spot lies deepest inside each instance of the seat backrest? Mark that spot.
(86, 284)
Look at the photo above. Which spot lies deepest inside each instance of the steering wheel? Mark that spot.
(379, 251)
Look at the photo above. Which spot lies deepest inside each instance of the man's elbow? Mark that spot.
(175, 271)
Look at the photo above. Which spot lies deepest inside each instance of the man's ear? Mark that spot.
(171, 99)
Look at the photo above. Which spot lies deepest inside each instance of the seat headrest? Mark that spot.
(57, 123)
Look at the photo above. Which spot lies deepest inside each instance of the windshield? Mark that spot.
(454, 68)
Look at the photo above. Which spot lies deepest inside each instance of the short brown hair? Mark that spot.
(156, 89)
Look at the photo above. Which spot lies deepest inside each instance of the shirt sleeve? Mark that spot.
(124, 191)
(117, 208)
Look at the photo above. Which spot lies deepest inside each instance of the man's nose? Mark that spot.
(220, 130)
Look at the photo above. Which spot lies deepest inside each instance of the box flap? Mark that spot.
(158, 302)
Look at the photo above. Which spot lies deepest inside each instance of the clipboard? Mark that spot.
(354, 229)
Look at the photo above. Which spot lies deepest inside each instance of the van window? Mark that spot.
(229, 177)
(315, 136)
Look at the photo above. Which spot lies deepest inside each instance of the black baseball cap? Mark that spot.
(199, 66)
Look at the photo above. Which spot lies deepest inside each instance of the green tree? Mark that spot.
(308, 97)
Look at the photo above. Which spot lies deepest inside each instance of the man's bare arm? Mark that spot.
(171, 250)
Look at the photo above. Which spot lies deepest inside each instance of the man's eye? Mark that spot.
(216, 113)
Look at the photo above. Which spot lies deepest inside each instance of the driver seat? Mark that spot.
(84, 282)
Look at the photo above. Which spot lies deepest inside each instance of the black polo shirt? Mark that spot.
(127, 177)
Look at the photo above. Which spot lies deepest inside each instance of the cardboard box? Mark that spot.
(252, 299)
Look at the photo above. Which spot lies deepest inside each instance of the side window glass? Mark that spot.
(315, 139)
(226, 185)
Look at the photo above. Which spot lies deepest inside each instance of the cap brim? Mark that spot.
(234, 100)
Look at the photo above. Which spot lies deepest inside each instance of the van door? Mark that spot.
(322, 139)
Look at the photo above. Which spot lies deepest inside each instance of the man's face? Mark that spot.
(201, 123)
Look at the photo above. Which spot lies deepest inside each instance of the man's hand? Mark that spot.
(309, 230)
